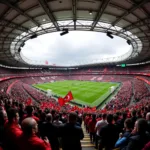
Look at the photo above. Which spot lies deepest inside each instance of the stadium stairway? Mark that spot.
(86, 143)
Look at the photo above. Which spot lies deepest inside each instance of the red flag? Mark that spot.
(29, 102)
(89, 70)
(61, 101)
(68, 97)
(105, 70)
(46, 62)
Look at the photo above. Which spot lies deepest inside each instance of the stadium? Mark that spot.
(74, 74)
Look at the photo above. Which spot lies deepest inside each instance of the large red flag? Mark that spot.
(61, 101)
(68, 97)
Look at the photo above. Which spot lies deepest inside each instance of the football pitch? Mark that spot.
(84, 92)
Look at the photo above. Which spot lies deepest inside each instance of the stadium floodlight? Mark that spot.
(19, 50)
(64, 31)
(22, 45)
(33, 36)
(129, 42)
(109, 34)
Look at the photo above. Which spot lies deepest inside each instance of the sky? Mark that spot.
(76, 47)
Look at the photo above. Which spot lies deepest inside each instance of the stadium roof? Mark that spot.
(21, 20)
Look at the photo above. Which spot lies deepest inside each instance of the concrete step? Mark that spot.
(85, 141)
(87, 145)
(86, 138)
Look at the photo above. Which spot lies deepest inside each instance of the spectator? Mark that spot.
(12, 130)
(3, 119)
(116, 123)
(139, 114)
(29, 140)
(123, 138)
(79, 118)
(51, 132)
(92, 130)
(71, 134)
(63, 118)
(87, 119)
(99, 117)
(147, 146)
(133, 118)
(29, 110)
(140, 137)
(57, 122)
(121, 121)
(108, 135)
(148, 121)
(21, 111)
(8, 105)
(42, 120)
(98, 127)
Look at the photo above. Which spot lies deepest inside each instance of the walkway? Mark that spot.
(132, 98)
(10, 86)
(86, 143)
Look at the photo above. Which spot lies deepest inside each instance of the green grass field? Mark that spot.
(84, 92)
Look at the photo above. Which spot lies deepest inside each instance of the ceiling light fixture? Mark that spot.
(90, 12)
(44, 20)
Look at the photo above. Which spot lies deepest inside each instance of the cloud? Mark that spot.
(75, 47)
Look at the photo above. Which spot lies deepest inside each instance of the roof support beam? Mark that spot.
(74, 11)
(9, 39)
(7, 23)
(129, 11)
(6, 2)
(99, 13)
(136, 24)
(47, 10)
(5, 32)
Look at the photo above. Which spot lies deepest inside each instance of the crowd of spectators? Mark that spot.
(18, 93)
(33, 127)
(126, 130)
(35, 93)
(123, 97)
(140, 90)
(30, 128)
(5, 84)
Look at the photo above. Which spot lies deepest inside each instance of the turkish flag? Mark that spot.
(68, 97)
(46, 62)
(61, 101)
(105, 70)
(89, 70)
